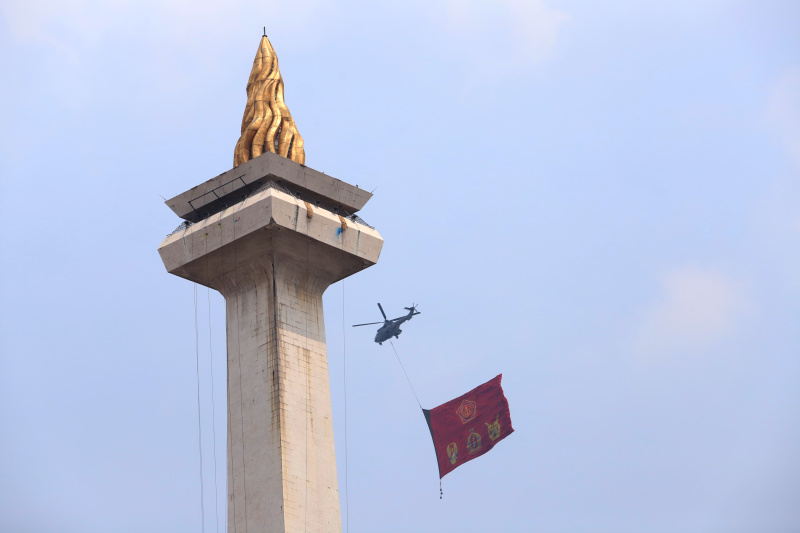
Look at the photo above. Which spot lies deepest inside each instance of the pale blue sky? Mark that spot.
(601, 200)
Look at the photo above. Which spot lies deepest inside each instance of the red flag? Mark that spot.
(469, 426)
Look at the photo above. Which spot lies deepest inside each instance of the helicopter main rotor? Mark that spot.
(413, 310)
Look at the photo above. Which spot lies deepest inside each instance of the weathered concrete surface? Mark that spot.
(272, 264)
(268, 166)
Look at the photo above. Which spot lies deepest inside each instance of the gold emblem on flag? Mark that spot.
(493, 428)
(452, 452)
(466, 411)
(473, 441)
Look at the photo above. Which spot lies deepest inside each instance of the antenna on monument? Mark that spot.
(265, 31)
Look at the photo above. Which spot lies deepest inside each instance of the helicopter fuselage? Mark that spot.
(391, 328)
(387, 331)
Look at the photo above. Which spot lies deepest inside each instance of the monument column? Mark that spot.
(271, 236)
(281, 459)
(272, 255)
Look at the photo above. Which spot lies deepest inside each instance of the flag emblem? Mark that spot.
(452, 452)
(473, 442)
(466, 411)
(494, 428)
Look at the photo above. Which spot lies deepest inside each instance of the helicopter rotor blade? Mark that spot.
(384, 314)
(367, 324)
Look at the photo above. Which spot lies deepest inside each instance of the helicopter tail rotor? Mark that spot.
(413, 309)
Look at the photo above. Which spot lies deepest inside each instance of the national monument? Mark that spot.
(271, 235)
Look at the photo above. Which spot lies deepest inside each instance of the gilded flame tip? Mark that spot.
(267, 124)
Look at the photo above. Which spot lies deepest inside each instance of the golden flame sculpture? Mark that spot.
(267, 125)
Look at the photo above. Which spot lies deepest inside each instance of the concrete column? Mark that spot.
(272, 259)
(281, 461)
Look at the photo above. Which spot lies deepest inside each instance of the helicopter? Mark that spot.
(391, 328)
